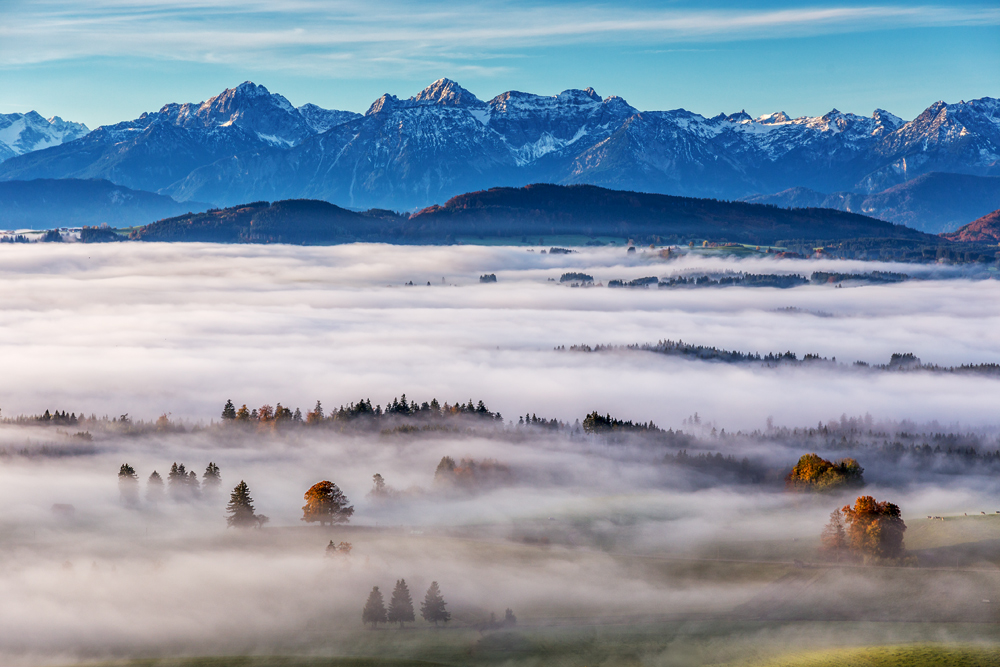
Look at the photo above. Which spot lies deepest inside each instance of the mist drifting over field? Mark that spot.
(586, 530)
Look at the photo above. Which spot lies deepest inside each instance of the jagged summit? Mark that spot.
(775, 118)
(446, 92)
(248, 144)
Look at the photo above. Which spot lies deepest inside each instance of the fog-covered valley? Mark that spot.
(672, 520)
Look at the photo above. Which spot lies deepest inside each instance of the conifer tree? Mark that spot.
(240, 510)
(432, 609)
(128, 485)
(374, 611)
(401, 604)
(211, 479)
(154, 488)
(229, 411)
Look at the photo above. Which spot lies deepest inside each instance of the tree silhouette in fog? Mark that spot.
(240, 510)
(401, 604)
(128, 485)
(327, 504)
(432, 609)
(374, 611)
(154, 488)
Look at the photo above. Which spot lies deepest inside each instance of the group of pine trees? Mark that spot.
(873, 531)
(181, 484)
(400, 608)
(399, 407)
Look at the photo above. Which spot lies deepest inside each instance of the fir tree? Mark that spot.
(432, 610)
(240, 510)
(211, 479)
(229, 411)
(128, 485)
(154, 488)
(374, 611)
(401, 604)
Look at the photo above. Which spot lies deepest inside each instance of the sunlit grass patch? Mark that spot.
(920, 655)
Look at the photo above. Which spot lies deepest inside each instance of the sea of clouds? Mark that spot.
(148, 329)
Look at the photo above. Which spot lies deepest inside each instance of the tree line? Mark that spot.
(182, 484)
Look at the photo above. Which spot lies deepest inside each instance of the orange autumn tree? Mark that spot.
(874, 529)
(814, 473)
(327, 504)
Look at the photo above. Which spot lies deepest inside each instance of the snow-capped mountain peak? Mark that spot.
(22, 133)
(774, 118)
(446, 92)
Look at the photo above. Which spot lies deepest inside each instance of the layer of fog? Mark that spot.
(170, 578)
(179, 328)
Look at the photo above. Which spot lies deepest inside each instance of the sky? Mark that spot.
(108, 60)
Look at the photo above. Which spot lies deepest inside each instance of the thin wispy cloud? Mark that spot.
(305, 35)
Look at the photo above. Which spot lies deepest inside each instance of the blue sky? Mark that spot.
(102, 61)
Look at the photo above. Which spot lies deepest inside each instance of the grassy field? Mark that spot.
(933, 655)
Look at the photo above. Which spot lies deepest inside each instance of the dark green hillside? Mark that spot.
(300, 221)
(586, 209)
(536, 211)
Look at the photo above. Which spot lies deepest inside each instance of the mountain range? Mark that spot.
(22, 133)
(250, 144)
(934, 203)
(71, 202)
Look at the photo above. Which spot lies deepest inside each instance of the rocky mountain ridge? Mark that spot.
(249, 144)
(22, 133)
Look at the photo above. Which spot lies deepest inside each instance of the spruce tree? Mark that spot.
(374, 611)
(240, 510)
(401, 604)
(128, 485)
(211, 479)
(229, 411)
(154, 488)
(432, 610)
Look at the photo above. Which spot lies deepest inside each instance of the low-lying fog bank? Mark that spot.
(576, 528)
(177, 327)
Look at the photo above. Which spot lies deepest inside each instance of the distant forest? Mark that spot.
(899, 362)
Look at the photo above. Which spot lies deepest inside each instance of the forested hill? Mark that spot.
(984, 230)
(535, 210)
(299, 221)
(594, 211)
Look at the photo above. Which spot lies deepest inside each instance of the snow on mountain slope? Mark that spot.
(248, 143)
(22, 133)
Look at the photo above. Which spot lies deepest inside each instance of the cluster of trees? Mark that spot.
(576, 277)
(900, 361)
(814, 473)
(433, 609)
(870, 530)
(899, 250)
(736, 279)
(326, 504)
(488, 278)
(468, 475)
(183, 484)
(597, 423)
(872, 277)
(637, 282)
(361, 412)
